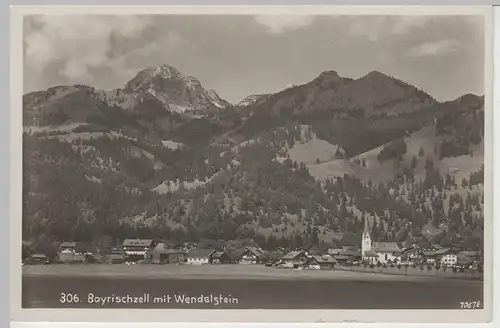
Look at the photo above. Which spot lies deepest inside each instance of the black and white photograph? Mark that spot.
(273, 161)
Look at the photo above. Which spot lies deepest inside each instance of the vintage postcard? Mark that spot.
(251, 163)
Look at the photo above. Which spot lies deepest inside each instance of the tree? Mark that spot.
(421, 152)
(413, 162)
(429, 165)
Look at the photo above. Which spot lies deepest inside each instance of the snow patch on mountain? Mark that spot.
(173, 186)
(31, 129)
(250, 100)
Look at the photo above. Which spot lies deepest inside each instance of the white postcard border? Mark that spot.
(254, 315)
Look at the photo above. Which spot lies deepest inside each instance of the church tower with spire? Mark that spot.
(366, 242)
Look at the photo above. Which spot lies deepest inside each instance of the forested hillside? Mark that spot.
(163, 157)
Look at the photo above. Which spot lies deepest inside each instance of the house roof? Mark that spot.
(199, 253)
(293, 254)
(334, 251)
(461, 258)
(355, 253)
(385, 247)
(68, 244)
(341, 257)
(234, 254)
(469, 253)
(442, 251)
(254, 250)
(138, 242)
(38, 256)
(218, 253)
(370, 254)
(324, 259)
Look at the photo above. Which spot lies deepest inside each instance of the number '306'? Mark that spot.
(69, 298)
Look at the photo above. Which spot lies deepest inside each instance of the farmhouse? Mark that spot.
(37, 258)
(474, 255)
(464, 260)
(387, 251)
(221, 257)
(115, 256)
(68, 246)
(252, 255)
(371, 257)
(27, 250)
(163, 254)
(71, 252)
(446, 257)
(352, 254)
(341, 259)
(138, 249)
(334, 251)
(414, 255)
(320, 262)
(294, 259)
(200, 256)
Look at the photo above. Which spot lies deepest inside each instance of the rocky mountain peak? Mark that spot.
(173, 90)
(168, 72)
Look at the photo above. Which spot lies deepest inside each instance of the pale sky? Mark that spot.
(242, 55)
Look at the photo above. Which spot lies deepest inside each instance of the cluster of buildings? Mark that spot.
(158, 252)
(392, 252)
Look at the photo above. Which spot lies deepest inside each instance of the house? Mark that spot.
(387, 251)
(294, 259)
(138, 249)
(72, 252)
(412, 255)
(341, 259)
(115, 256)
(280, 249)
(334, 251)
(275, 255)
(26, 250)
(320, 262)
(464, 260)
(370, 257)
(221, 257)
(234, 255)
(352, 254)
(474, 255)
(446, 257)
(199, 256)
(162, 253)
(37, 258)
(189, 246)
(252, 255)
(68, 246)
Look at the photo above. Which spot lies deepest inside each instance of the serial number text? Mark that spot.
(470, 305)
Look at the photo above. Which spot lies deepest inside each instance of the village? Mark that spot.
(370, 255)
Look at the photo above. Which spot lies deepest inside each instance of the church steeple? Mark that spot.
(366, 242)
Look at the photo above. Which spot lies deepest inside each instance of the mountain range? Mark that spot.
(165, 157)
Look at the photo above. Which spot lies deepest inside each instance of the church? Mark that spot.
(383, 252)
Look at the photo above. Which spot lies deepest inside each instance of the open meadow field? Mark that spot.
(252, 286)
